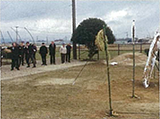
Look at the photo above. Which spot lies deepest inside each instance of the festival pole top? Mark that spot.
(133, 31)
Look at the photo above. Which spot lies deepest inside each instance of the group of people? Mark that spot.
(21, 52)
(64, 50)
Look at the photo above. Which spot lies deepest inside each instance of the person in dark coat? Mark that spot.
(22, 52)
(29, 54)
(52, 52)
(68, 54)
(34, 51)
(14, 56)
(43, 52)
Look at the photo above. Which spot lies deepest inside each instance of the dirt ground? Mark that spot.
(51, 95)
(127, 59)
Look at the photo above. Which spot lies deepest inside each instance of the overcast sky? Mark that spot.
(53, 18)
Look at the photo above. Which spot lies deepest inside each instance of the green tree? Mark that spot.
(86, 33)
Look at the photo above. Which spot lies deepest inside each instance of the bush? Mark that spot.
(86, 34)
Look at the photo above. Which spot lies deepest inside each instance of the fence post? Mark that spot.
(118, 49)
(141, 48)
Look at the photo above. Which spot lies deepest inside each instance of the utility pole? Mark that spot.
(47, 40)
(36, 39)
(16, 34)
(74, 28)
(126, 34)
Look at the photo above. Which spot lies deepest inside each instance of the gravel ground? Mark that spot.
(6, 73)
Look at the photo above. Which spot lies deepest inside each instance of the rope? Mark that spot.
(79, 73)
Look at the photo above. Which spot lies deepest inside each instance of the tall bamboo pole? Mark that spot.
(133, 83)
(108, 73)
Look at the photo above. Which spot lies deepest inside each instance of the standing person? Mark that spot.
(29, 54)
(68, 55)
(52, 52)
(43, 52)
(34, 51)
(22, 52)
(14, 56)
(63, 52)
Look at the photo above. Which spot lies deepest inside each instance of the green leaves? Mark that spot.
(87, 30)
